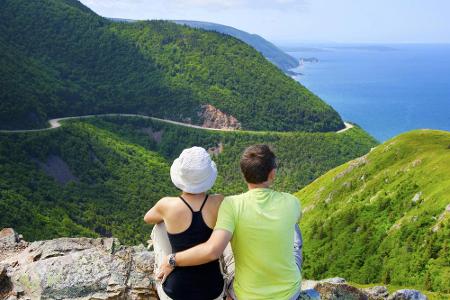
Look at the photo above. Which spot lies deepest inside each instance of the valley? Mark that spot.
(74, 180)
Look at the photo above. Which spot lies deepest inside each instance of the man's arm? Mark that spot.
(200, 254)
(206, 252)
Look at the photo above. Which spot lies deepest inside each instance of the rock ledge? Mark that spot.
(102, 268)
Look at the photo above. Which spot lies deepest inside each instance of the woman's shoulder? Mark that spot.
(167, 202)
(216, 198)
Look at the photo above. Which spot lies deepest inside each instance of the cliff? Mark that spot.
(102, 268)
(215, 118)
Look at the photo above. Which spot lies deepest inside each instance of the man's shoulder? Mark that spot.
(234, 201)
(290, 197)
(235, 198)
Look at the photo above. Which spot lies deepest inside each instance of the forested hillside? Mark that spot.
(279, 58)
(59, 59)
(99, 176)
(383, 217)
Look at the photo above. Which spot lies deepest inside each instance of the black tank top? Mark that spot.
(203, 282)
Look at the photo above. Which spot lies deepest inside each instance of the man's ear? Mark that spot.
(272, 175)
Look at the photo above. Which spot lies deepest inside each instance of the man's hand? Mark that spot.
(164, 270)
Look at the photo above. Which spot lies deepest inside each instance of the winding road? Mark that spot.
(347, 127)
(56, 123)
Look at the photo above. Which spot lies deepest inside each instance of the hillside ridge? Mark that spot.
(392, 203)
(274, 54)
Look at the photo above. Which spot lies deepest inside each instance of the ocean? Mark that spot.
(385, 89)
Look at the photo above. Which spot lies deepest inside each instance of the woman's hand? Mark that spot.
(164, 270)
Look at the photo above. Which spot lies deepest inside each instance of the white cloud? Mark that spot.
(199, 4)
(251, 4)
(311, 20)
(118, 4)
(265, 17)
(206, 3)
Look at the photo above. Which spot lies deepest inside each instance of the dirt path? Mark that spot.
(56, 123)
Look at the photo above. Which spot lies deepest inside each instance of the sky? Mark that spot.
(302, 21)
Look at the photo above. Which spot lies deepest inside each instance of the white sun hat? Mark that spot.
(194, 171)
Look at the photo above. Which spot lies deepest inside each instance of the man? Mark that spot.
(260, 225)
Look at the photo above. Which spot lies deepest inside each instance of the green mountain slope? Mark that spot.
(78, 181)
(275, 55)
(99, 176)
(383, 217)
(59, 58)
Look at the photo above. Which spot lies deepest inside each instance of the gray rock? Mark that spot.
(309, 284)
(337, 288)
(356, 163)
(417, 197)
(10, 243)
(3, 271)
(82, 268)
(342, 291)
(377, 292)
(334, 280)
(309, 294)
(8, 237)
(407, 295)
(5, 282)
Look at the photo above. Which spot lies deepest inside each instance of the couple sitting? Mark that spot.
(261, 225)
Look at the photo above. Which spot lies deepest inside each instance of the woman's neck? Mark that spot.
(189, 195)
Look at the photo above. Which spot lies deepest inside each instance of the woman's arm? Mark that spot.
(155, 214)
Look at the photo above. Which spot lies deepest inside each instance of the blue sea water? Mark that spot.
(386, 89)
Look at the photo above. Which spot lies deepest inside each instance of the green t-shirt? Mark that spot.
(262, 223)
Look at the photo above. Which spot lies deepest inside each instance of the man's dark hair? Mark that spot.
(256, 163)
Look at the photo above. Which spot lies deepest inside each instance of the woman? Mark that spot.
(189, 220)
